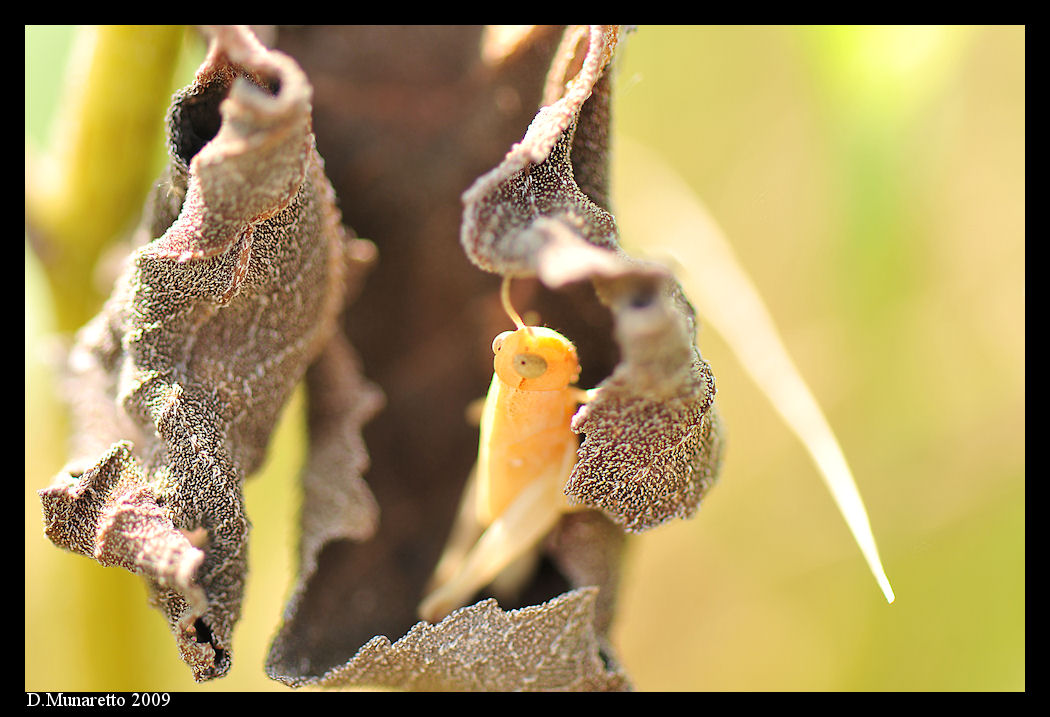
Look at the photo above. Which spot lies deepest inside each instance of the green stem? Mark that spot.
(89, 186)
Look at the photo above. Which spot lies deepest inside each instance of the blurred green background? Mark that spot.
(872, 182)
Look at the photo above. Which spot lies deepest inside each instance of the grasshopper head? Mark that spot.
(535, 358)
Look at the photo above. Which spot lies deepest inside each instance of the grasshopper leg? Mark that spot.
(531, 516)
(465, 533)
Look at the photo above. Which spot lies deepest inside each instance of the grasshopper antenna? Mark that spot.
(504, 295)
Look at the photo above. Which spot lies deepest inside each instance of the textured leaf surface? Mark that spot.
(548, 647)
(443, 113)
(208, 330)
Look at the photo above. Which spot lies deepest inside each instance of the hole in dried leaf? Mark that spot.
(204, 636)
(202, 631)
(196, 120)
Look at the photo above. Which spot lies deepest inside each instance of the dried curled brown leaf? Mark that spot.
(404, 138)
(536, 178)
(653, 442)
(132, 531)
(209, 329)
(549, 647)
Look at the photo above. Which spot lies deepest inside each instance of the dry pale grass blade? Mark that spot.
(724, 295)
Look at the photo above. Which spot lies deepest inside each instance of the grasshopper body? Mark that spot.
(526, 452)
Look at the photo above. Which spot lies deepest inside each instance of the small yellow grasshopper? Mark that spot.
(515, 493)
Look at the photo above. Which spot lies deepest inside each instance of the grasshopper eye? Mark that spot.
(529, 365)
(497, 342)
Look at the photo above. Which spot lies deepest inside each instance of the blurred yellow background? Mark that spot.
(872, 183)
